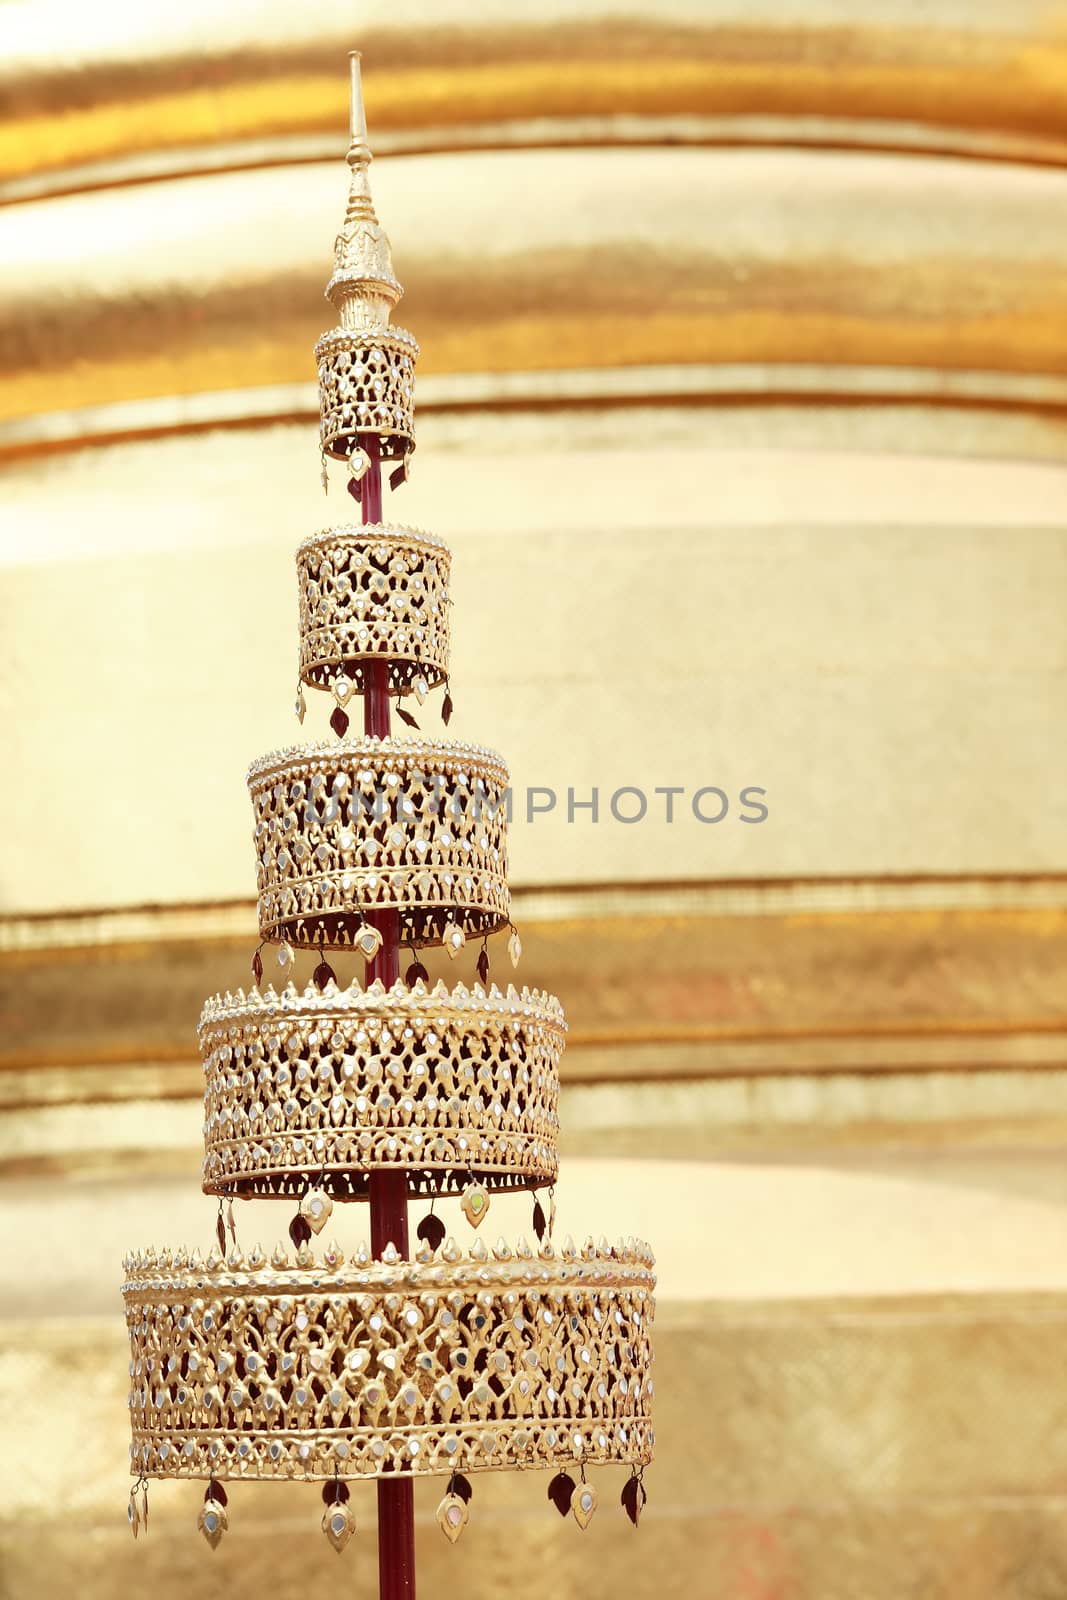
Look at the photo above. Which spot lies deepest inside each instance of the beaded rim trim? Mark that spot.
(451, 1086)
(374, 592)
(455, 754)
(359, 530)
(251, 1368)
(418, 826)
(378, 400)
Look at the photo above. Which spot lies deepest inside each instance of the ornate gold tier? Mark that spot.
(366, 385)
(417, 825)
(305, 1087)
(502, 1359)
(370, 593)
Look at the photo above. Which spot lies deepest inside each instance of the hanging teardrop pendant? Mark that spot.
(315, 1208)
(452, 1516)
(257, 967)
(583, 1504)
(213, 1521)
(300, 707)
(133, 1513)
(453, 939)
(285, 955)
(368, 941)
(339, 721)
(514, 947)
(338, 1521)
(483, 965)
(475, 1204)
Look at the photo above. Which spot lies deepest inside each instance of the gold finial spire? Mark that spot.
(363, 288)
(366, 367)
(359, 156)
(358, 120)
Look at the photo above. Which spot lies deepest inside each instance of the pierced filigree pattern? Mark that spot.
(443, 1083)
(454, 1363)
(419, 825)
(374, 592)
(366, 385)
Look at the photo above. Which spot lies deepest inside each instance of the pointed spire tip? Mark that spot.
(358, 119)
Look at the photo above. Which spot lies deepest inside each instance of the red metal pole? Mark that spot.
(388, 1190)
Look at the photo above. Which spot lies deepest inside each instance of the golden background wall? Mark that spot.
(742, 404)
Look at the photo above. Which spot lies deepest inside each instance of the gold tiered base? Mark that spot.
(249, 1368)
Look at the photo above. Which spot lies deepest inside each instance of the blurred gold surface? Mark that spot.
(743, 394)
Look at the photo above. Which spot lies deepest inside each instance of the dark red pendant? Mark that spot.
(323, 974)
(220, 1233)
(416, 973)
(299, 1231)
(406, 717)
(633, 1498)
(560, 1491)
(431, 1230)
(339, 722)
(540, 1226)
(354, 490)
(483, 965)
(257, 967)
(446, 709)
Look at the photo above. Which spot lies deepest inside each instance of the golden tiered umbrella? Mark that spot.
(374, 1361)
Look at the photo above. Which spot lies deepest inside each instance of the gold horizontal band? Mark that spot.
(722, 284)
(139, 927)
(1037, 147)
(699, 384)
(993, 81)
